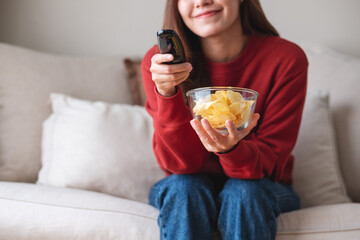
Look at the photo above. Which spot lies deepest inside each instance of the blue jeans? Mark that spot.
(193, 206)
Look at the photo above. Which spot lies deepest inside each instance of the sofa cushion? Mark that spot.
(340, 75)
(26, 80)
(317, 176)
(30, 211)
(100, 147)
(331, 222)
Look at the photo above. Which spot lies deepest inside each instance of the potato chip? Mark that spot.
(221, 96)
(224, 105)
(217, 121)
(234, 97)
(236, 108)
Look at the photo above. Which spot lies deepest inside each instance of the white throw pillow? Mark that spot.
(26, 79)
(100, 147)
(317, 177)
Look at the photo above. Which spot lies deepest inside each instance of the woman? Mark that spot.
(236, 183)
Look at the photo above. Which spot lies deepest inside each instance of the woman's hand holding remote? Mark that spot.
(166, 76)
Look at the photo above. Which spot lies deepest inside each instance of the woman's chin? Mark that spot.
(206, 33)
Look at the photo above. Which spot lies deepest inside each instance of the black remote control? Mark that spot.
(169, 42)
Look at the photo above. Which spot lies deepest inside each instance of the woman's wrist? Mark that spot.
(229, 149)
(167, 93)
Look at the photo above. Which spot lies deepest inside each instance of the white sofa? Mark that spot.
(85, 171)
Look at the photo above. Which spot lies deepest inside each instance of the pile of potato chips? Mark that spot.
(224, 105)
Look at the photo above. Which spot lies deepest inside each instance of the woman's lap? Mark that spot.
(235, 206)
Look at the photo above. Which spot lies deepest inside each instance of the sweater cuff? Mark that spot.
(235, 157)
(173, 109)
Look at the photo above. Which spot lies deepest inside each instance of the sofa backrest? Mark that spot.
(340, 75)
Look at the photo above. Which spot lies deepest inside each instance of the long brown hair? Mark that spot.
(253, 21)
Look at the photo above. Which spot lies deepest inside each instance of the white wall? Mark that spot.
(82, 27)
(334, 23)
(126, 27)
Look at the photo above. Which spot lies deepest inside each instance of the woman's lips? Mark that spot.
(207, 14)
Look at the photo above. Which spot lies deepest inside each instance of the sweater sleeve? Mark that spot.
(176, 146)
(266, 151)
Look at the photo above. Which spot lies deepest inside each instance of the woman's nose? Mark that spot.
(200, 3)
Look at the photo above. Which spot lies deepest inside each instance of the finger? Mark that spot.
(175, 77)
(158, 66)
(200, 131)
(181, 80)
(171, 68)
(253, 122)
(168, 85)
(161, 58)
(216, 136)
(233, 132)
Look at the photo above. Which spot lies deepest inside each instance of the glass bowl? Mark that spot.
(218, 104)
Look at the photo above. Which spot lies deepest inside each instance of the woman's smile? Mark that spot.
(207, 14)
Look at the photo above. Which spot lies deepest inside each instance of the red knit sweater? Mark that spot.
(272, 66)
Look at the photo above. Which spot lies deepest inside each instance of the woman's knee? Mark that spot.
(244, 190)
(189, 184)
(245, 208)
(194, 187)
